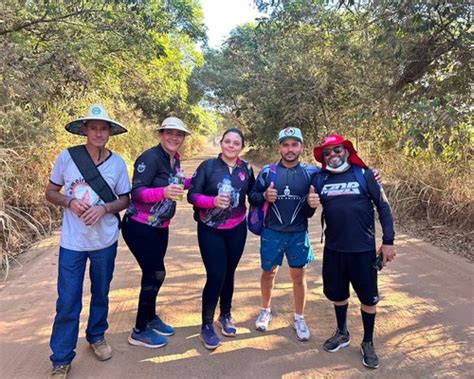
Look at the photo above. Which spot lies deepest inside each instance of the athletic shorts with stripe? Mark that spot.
(343, 268)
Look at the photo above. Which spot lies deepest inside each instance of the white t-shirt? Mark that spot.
(76, 235)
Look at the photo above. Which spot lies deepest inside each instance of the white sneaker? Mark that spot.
(302, 330)
(263, 320)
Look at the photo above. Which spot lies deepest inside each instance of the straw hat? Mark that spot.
(95, 112)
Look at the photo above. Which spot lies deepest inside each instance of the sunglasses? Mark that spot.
(336, 150)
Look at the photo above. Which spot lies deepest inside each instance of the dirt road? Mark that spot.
(424, 323)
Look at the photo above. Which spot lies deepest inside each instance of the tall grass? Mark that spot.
(30, 147)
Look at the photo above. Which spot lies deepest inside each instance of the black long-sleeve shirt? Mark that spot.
(349, 212)
(205, 186)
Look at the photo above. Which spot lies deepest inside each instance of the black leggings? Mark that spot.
(148, 245)
(221, 250)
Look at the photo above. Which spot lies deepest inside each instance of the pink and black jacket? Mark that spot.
(151, 174)
(204, 188)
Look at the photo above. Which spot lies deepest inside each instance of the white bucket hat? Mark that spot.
(95, 112)
(174, 123)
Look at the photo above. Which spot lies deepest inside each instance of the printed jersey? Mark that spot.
(291, 211)
(205, 186)
(75, 235)
(151, 174)
(349, 212)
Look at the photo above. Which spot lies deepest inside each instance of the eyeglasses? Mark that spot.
(336, 150)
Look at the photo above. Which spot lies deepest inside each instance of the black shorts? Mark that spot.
(342, 268)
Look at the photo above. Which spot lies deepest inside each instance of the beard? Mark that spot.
(290, 157)
(336, 163)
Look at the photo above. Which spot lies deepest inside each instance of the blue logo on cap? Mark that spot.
(96, 111)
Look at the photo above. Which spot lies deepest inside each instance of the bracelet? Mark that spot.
(103, 205)
(69, 202)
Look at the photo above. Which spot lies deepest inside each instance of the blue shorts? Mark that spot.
(295, 245)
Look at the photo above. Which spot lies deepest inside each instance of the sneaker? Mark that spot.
(302, 330)
(337, 341)
(60, 372)
(160, 327)
(147, 338)
(263, 320)
(227, 325)
(369, 358)
(102, 350)
(209, 337)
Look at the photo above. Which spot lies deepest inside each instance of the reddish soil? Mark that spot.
(424, 324)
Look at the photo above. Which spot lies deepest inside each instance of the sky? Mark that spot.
(221, 16)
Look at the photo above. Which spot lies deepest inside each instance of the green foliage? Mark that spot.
(391, 75)
(351, 66)
(58, 57)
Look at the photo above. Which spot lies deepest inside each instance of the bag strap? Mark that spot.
(92, 175)
(272, 173)
(359, 173)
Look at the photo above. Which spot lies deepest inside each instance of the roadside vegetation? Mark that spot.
(58, 57)
(392, 76)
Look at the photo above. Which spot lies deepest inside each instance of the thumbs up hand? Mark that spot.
(271, 193)
(313, 198)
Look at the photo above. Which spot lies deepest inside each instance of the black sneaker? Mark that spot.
(338, 340)
(369, 358)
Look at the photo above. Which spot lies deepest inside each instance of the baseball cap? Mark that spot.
(290, 132)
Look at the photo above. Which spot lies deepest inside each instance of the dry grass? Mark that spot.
(432, 201)
(25, 216)
(429, 199)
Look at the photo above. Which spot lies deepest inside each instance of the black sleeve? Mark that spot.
(251, 179)
(307, 211)
(383, 207)
(314, 182)
(144, 170)
(198, 181)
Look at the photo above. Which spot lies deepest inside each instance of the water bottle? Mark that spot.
(225, 187)
(179, 179)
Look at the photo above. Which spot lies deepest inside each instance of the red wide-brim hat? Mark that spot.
(334, 140)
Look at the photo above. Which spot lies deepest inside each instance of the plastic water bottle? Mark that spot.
(179, 179)
(225, 187)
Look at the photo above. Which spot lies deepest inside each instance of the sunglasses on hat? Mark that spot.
(336, 150)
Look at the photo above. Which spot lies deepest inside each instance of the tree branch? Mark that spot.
(43, 20)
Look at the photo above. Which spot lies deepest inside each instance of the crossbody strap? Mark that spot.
(92, 175)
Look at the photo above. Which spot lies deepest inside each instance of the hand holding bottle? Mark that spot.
(223, 199)
(175, 190)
